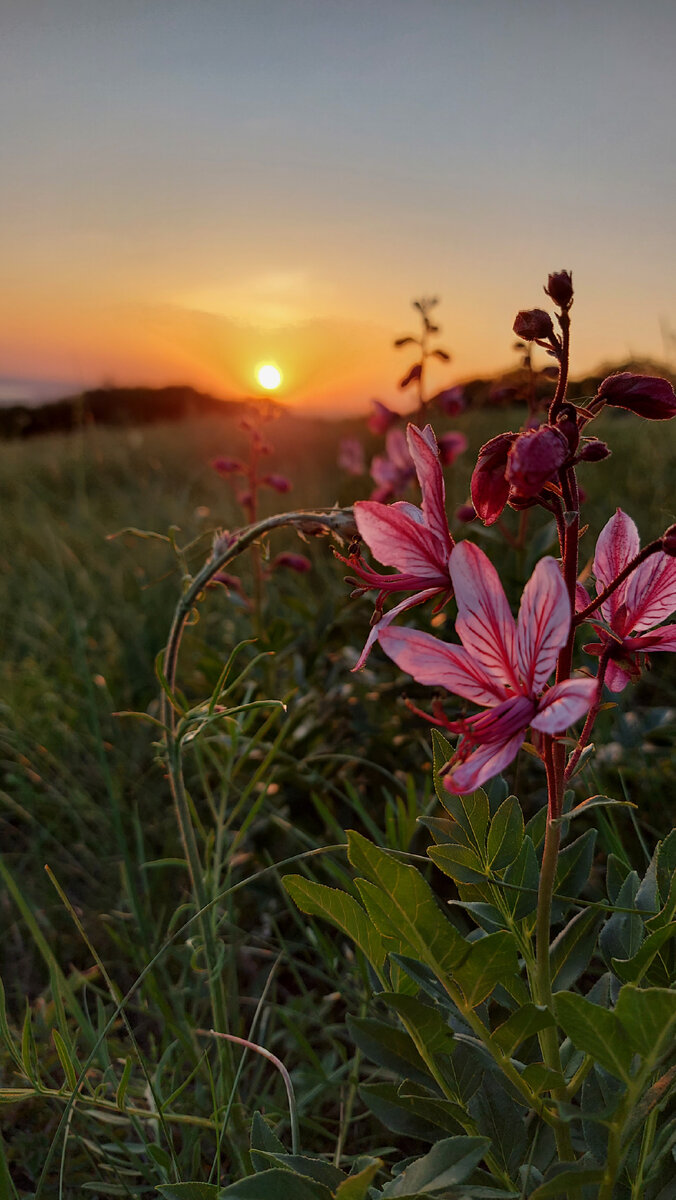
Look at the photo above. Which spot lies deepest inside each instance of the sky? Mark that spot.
(193, 187)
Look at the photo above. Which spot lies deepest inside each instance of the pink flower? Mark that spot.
(451, 445)
(382, 418)
(501, 665)
(490, 486)
(646, 395)
(451, 401)
(351, 456)
(534, 458)
(293, 562)
(394, 470)
(278, 482)
(416, 541)
(646, 597)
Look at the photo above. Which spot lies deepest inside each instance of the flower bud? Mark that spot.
(226, 466)
(293, 562)
(535, 458)
(382, 418)
(560, 288)
(465, 513)
(593, 451)
(450, 446)
(533, 325)
(489, 486)
(566, 423)
(646, 395)
(669, 541)
(279, 482)
(451, 401)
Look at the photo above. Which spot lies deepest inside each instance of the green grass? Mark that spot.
(82, 788)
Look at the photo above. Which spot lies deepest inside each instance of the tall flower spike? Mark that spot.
(502, 664)
(636, 606)
(415, 541)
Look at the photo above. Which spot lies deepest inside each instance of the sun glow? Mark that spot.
(269, 376)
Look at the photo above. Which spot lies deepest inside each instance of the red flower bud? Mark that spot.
(535, 458)
(669, 541)
(226, 466)
(560, 288)
(451, 401)
(566, 423)
(450, 446)
(382, 418)
(646, 395)
(533, 325)
(294, 562)
(593, 451)
(279, 482)
(465, 513)
(489, 486)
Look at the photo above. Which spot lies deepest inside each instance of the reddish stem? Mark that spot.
(651, 548)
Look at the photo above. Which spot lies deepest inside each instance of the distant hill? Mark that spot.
(112, 406)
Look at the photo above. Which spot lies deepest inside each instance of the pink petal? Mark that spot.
(482, 764)
(409, 602)
(651, 593)
(543, 624)
(431, 479)
(659, 639)
(582, 597)
(564, 704)
(398, 541)
(618, 543)
(411, 510)
(439, 664)
(485, 624)
(616, 678)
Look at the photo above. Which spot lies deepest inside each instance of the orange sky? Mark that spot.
(196, 189)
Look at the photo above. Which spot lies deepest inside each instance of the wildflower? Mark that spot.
(351, 456)
(451, 401)
(451, 445)
(646, 395)
(278, 482)
(636, 606)
(490, 487)
(393, 470)
(382, 418)
(534, 325)
(465, 513)
(226, 466)
(501, 665)
(416, 541)
(293, 562)
(534, 458)
(560, 288)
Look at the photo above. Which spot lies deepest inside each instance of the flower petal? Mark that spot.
(482, 764)
(439, 664)
(409, 602)
(616, 677)
(659, 639)
(398, 541)
(485, 624)
(425, 455)
(618, 543)
(651, 593)
(563, 704)
(543, 624)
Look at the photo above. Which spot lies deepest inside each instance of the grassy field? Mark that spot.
(83, 788)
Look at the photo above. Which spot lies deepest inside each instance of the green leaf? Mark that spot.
(541, 1078)
(263, 1141)
(595, 802)
(596, 1031)
(449, 1162)
(648, 1019)
(501, 1120)
(632, 970)
(341, 909)
(276, 1184)
(425, 1020)
(622, 933)
(356, 1187)
(412, 1115)
(523, 876)
(69, 1067)
(402, 906)
(521, 1025)
(309, 1168)
(459, 862)
(189, 1191)
(571, 1177)
(505, 835)
(572, 870)
(388, 1047)
(573, 947)
(471, 814)
(442, 752)
(492, 959)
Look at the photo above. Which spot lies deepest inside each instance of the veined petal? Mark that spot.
(402, 606)
(425, 455)
(484, 762)
(543, 624)
(618, 543)
(439, 664)
(658, 639)
(582, 597)
(397, 540)
(410, 510)
(564, 704)
(616, 677)
(651, 593)
(485, 624)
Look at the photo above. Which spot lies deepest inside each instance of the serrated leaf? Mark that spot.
(275, 1184)
(595, 802)
(648, 1019)
(458, 862)
(356, 1187)
(412, 1116)
(429, 1025)
(388, 1047)
(541, 1078)
(573, 947)
(505, 835)
(596, 1031)
(492, 960)
(316, 1169)
(472, 814)
(263, 1141)
(500, 1119)
(341, 909)
(521, 1025)
(449, 1162)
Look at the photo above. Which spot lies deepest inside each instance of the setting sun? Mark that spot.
(269, 377)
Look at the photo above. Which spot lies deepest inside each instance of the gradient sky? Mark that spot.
(192, 187)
